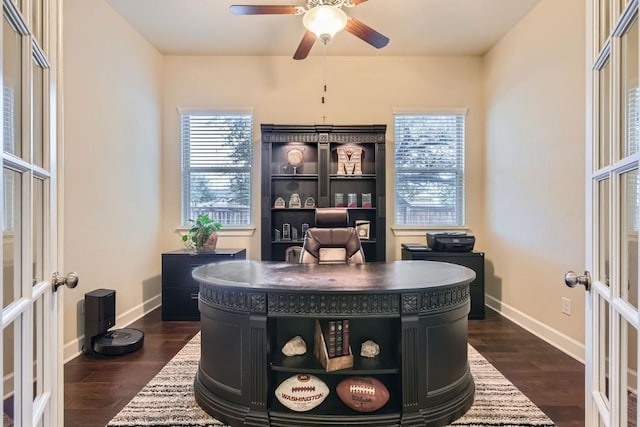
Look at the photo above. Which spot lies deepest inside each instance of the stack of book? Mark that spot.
(332, 346)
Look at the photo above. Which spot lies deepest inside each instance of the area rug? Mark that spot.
(167, 400)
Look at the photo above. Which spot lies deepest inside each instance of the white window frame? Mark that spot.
(186, 171)
(460, 225)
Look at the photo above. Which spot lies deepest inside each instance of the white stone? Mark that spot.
(295, 347)
(369, 349)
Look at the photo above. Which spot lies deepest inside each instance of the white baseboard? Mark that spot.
(557, 339)
(73, 348)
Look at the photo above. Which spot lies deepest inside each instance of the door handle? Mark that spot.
(571, 279)
(71, 280)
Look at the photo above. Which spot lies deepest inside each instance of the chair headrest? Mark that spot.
(332, 217)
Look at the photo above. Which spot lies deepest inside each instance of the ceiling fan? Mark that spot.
(322, 19)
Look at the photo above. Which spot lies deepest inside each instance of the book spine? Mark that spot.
(345, 337)
(331, 339)
(338, 337)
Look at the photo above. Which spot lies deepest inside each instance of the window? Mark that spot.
(429, 169)
(216, 166)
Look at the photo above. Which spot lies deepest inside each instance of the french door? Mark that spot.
(612, 212)
(30, 345)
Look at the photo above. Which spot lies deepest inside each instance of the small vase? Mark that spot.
(210, 244)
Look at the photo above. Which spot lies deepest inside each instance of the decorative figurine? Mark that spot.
(294, 201)
(279, 203)
(309, 203)
(295, 158)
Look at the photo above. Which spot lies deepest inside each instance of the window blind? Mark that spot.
(9, 144)
(631, 147)
(429, 169)
(216, 166)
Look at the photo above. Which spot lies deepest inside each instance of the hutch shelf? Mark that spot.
(309, 166)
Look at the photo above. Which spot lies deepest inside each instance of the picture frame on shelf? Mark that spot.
(362, 228)
(286, 231)
(352, 200)
(366, 200)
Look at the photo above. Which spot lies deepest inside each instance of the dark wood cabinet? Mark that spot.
(322, 177)
(179, 289)
(472, 260)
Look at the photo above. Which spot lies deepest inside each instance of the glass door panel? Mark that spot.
(629, 222)
(630, 93)
(603, 348)
(38, 230)
(38, 114)
(629, 380)
(37, 19)
(12, 89)
(602, 199)
(604, 21)
(12, 237)
(11, 396)
(603, 155)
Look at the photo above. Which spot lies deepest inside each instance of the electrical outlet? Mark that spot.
(566, 306)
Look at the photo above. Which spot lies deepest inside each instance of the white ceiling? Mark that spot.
(415, 27)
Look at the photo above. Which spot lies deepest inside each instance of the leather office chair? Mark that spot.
(332, 241)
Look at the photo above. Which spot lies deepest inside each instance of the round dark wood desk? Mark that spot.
(415, 310)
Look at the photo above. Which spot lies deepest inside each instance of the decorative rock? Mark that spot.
(294, 347)
(369, 349)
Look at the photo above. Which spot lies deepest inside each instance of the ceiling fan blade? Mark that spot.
(366, 33)
(305, 45)
(354, 2)
(241, 9)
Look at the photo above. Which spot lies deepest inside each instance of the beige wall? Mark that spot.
(534, 206)
(112, 162)
(361, 90)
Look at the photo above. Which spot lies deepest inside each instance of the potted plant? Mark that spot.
(202, 236)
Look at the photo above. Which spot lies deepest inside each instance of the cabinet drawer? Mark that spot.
(180, 303)
(177, 272)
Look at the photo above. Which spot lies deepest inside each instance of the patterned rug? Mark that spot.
(168, 398)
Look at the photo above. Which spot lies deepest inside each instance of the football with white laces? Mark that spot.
(364, 394)
(302, 392)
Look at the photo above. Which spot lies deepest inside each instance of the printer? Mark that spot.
(450, 242)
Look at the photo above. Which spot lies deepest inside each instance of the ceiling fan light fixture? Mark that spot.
(325, 21)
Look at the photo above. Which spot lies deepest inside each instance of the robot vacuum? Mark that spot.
(118, 341)
(99, 316)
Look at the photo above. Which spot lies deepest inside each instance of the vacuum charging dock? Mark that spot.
(99, 316)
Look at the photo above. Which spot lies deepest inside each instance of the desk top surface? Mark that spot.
(393, 276)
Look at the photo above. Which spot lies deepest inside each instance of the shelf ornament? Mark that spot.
(295, 201)
(279, 203)
(349, 160)
(295, 158)
(294, 347)
(309, 203)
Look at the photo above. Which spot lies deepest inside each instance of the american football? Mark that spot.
(364, 394)
(302, 392)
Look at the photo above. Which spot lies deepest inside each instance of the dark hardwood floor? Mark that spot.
(96, 389)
